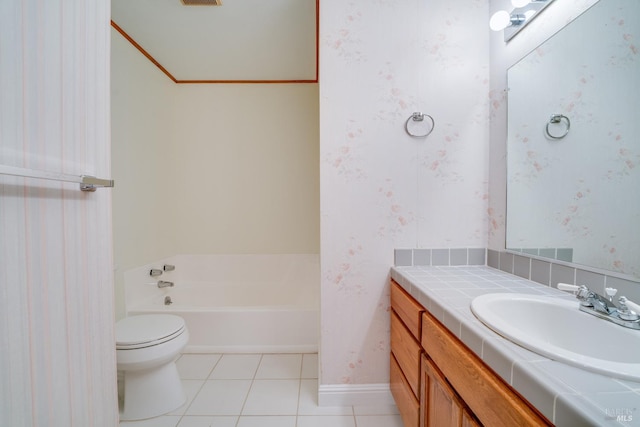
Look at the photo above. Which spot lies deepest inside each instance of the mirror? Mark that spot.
(573, 188)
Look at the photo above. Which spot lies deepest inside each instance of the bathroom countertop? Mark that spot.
(566, 395)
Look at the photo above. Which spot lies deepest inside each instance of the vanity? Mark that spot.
(449, 369)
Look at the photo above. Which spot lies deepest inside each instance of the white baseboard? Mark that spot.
(354, 394)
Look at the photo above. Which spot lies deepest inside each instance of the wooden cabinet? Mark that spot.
(406, 327)
(442, 406)
(407, 403)
(437, 382)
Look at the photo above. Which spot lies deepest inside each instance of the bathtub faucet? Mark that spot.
(163, 284)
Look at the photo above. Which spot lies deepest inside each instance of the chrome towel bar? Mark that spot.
(87, 183)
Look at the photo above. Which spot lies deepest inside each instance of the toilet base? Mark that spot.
(151, 392)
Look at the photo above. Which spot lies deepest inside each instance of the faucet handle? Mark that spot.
(628, 310)
(568, 288)
(579, 291)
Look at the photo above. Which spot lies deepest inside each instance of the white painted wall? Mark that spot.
(142, 99)
(57, 357)
(204, 169)
(246, 169)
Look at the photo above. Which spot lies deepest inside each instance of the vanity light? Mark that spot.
(512, 22)
(502, 19)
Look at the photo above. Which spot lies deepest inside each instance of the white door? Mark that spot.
(57, 352)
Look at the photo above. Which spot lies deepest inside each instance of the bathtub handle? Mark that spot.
(168, 267)
(155, 272)
(163, 284)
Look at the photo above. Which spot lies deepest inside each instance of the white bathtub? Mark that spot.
(235, 303)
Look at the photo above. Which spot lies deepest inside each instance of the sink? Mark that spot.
(555, 328)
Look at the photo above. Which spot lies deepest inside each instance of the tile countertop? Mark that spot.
(566, 395)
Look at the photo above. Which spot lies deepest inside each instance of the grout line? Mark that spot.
(250, 388)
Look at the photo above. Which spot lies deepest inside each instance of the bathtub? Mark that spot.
(235, 303)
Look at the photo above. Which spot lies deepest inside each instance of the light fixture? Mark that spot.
(512, 22)
(502, 19)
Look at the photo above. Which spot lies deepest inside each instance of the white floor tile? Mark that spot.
(196, 366)
(310, 365)
(272, 397)
(267, 421)
(163, 421)
(191, 388)
(236, 367)
(308, 402)
(220, 397)
(326, 421)
(200, 421)
(376, 410)
(279, 366)
(379, 421)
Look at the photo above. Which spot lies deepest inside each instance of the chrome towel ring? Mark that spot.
(558, 118)
(416, 131)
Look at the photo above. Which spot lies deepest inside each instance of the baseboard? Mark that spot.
(251, 349)
(354, 394)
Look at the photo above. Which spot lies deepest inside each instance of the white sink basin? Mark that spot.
(555, 328)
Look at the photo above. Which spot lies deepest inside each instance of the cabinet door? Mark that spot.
(440, 405)
(468, 420)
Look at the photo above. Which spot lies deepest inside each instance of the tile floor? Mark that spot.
(260, 390)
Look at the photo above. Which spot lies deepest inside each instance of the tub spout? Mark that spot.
(163, 284)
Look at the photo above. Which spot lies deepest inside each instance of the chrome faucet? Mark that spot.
(163, 284)
(626, 313)
(588, 298)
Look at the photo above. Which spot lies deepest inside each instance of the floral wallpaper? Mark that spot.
(381, 189)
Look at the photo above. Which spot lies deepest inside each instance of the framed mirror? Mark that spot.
(573, 188)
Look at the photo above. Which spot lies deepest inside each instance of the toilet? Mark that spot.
(146, 349)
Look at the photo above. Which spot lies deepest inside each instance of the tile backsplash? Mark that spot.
(548, 272)
(440, 257)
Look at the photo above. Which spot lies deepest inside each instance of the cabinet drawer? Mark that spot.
(406, 402)
(407, 352)
(407, 308)
(488, 397)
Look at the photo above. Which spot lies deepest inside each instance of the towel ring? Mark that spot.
(557, 118)
(419, 117)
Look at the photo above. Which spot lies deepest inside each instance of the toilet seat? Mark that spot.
(147, 330)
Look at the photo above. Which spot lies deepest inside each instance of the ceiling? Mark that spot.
(242, 40)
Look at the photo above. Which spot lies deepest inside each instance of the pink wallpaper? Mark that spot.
(57, 357)
(380, 188)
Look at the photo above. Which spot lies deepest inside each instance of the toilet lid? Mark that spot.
(148, 329)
